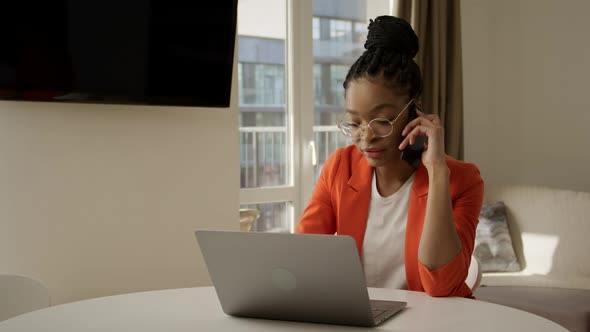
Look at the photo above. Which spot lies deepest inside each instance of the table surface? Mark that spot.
(198, 309)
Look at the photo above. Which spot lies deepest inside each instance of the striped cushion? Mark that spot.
(493, 244)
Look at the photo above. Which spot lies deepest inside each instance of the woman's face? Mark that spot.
(366, 100)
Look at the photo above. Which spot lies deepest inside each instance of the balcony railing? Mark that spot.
(263, 152)
(263, 163)
(327, 139)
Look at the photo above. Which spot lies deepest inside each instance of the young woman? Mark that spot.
(414, 222)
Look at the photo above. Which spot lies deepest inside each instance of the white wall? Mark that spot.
(526, 72)
(103, 199)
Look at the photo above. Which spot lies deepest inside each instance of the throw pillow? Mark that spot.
(493, 244)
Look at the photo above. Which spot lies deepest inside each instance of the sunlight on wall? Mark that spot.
(539, 250)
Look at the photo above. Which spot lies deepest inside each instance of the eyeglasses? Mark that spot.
(379, 126)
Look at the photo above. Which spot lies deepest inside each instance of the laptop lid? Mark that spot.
(311, 278)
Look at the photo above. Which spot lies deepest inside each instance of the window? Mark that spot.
(280, 136)
(340, 30)
(273, 216)
(261, 84)
(360, 32)
(337, 76)
(332, 58)
(316, 28)
(264, 131)
(318, 88)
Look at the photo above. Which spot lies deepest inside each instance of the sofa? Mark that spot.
(550, 231)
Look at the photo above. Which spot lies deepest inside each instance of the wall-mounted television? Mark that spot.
(150, 52)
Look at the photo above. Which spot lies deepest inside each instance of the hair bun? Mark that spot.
(394, 34)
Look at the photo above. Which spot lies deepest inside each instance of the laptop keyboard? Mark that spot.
(378, 307)
(382, 310)
(377, 312)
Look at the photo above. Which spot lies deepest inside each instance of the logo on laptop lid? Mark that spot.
(283, 279)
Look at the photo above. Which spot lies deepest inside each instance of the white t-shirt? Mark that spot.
(383, 247)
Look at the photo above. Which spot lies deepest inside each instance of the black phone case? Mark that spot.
(413, 152)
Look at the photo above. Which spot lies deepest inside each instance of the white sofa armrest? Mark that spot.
(550, 230)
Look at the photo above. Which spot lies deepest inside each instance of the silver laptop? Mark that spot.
(295, 277)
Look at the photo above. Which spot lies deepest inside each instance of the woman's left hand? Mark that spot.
(428, 125)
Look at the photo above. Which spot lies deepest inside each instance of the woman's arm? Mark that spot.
(448, 233)
(440, 242)
(449, 279)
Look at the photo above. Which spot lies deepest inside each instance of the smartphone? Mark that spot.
(412, 154)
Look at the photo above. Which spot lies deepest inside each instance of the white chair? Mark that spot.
(474, 274)
(19, 295)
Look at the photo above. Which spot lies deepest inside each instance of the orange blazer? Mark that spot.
(340, 205)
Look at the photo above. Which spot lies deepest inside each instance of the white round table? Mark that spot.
(198, 309)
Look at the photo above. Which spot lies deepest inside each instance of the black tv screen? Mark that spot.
(160, 52)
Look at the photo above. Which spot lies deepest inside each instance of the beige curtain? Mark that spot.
(438, 26)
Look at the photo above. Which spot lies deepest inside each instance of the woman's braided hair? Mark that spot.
(389, 55)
